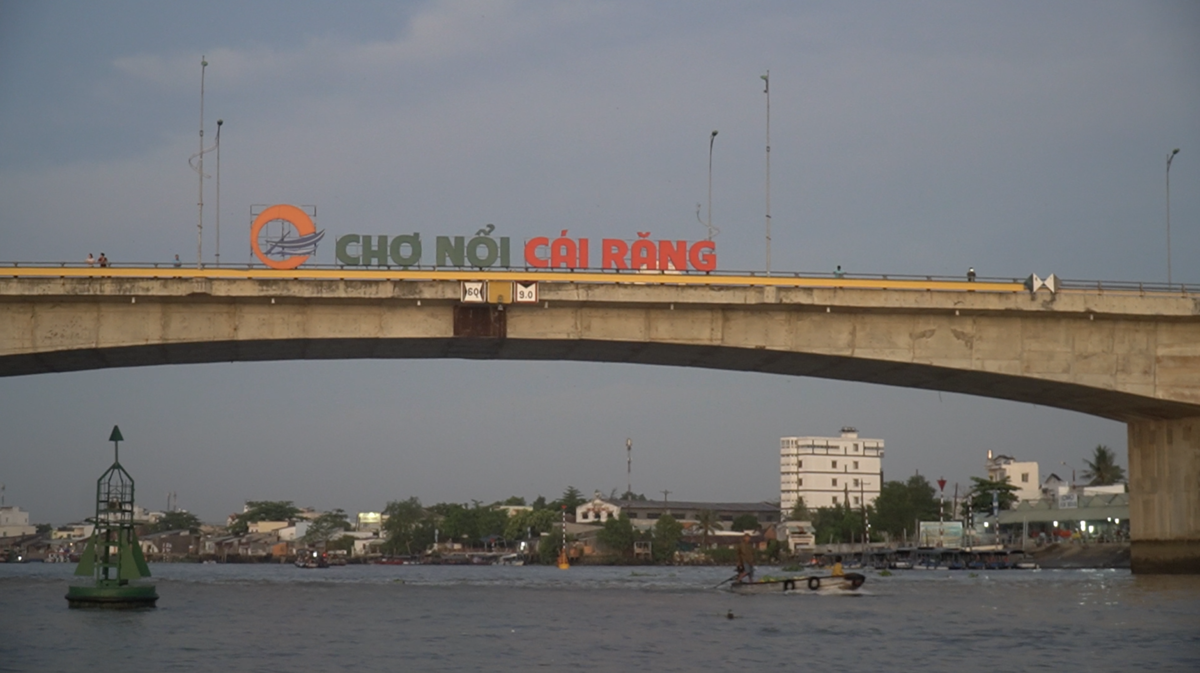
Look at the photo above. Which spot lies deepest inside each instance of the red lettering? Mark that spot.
(703, 256)
(672, 256)
(531, 256)
(584, 261)
(562, 251)
(641, 255)
(612, 254)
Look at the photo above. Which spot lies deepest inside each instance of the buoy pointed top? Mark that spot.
(116, 435)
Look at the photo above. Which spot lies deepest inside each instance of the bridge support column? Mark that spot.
(1164, 496)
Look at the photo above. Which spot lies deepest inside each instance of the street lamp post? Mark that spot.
(219, 123)
(1170, 158)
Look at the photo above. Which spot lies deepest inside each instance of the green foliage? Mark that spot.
(745, 522)
(263, 510)
(539, 503)
(800, 511)
(901, 504)
(469, 524)
(630, 495)
(979, 498)
(839, 523)
(326, 526)
(618, 535)
(43, 528)
(707, 522)
(550, 545)
(177, 520)
(344, 543)
(667, 532)
(408, 527)
(1102, 469)
(515, 501)
(572, 498)
(774, 550)
(519, 524)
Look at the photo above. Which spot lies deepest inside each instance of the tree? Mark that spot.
(177, 520)
(901, 504)
(515, 501)
(572, 498)
(745, 522)
(263, 510)
(800, 511)
(630, 495)
(1102, 469)
(618, 535)
(839, 523)
(43, 528)
(472, 523)
(523, 523)
(326, 526)
(539, 503)
(706, 519)
(667, 532)
(979, 498)
(407, 526)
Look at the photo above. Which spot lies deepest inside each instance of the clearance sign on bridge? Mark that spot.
(284, 237)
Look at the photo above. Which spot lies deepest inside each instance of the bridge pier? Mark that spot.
(1164, 496)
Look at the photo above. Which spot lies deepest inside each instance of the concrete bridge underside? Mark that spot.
(1132, 358)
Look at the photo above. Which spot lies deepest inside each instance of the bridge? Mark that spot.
(1126, 353)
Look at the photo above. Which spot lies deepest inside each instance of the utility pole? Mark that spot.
(629, 467)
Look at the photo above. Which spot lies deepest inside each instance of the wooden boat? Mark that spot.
(847, 582)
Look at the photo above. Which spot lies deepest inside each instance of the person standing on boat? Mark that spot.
(837, 570)
(745, 559)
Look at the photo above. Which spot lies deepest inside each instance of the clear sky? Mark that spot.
(923, 138)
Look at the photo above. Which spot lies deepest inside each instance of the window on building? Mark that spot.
(856, 464)
(800, 464)
(835, 500)
(1024, 477)
(653, 515)
(856, 447)
(835, 464)
(726, 517)
(856, 482)
(856, 500)
(835, 481)
(800, 482)
(633, 515)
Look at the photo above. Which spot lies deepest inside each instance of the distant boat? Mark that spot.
(845, 583)
(310, 558)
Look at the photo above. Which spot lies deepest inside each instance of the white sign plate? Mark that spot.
(527, 293)
(473, 292)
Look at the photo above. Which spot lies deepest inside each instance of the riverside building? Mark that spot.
(830, 471)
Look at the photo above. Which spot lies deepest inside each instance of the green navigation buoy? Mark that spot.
(113, 557)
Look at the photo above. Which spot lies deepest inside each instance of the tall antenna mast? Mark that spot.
(767, 90)
(200, 221)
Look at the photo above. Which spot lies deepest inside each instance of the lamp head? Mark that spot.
(1175, 151)
(220, 121)
(714, 134)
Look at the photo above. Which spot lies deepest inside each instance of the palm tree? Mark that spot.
(1102, 469)
(707, 520)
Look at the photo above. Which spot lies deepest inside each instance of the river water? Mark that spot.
(448, 618)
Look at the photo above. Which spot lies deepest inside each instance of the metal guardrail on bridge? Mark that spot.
(665, 277)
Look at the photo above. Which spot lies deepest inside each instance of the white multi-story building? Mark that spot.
(1022, 474)
(829, 471)
(14, 522)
